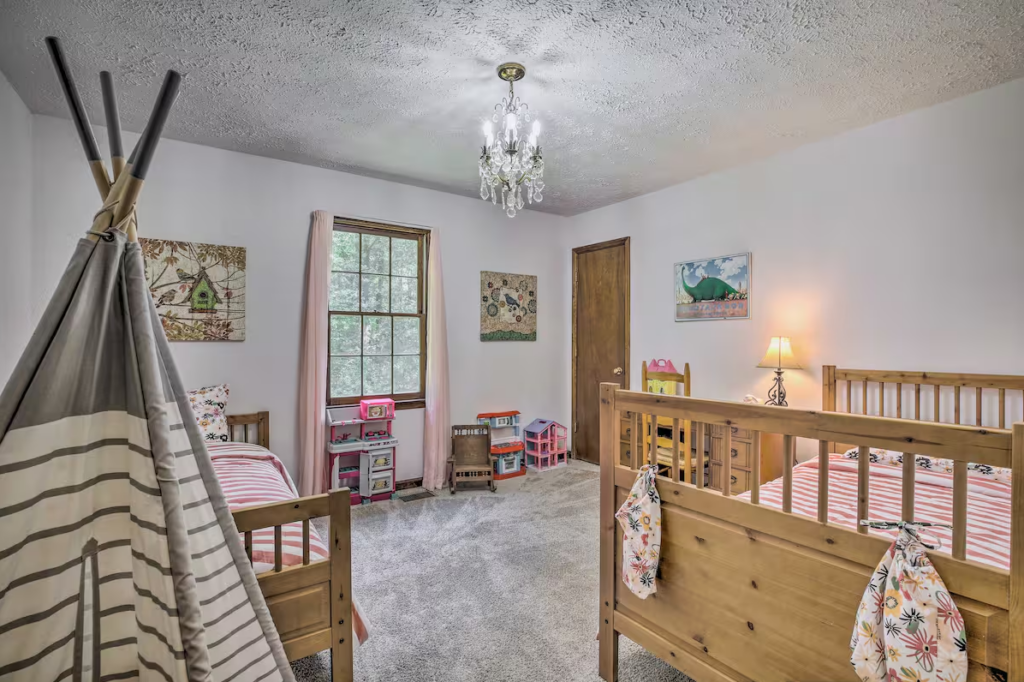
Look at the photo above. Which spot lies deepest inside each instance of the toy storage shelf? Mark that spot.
(364, 462)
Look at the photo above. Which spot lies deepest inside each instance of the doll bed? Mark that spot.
(755, 588)
(309, 598)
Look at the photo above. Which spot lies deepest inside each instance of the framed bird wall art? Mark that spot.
(198, 289)
(508, 307)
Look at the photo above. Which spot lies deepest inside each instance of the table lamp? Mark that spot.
(778, 357)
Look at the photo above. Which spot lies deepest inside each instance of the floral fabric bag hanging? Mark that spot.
(908, 628)
(640, 518)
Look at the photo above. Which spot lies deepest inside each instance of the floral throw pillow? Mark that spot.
(892, 458)
(210, 405)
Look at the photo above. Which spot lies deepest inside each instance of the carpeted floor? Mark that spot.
(481, 586)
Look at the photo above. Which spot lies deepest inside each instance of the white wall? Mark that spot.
(16, 319)
(897, 246)
(202, 194)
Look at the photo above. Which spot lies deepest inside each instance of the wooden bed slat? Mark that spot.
(881, 398)
(675, 454)
(938, 403)
(956, 404)
(978, 401)
(864, 398)
(698, 439)
(863, 467)
(305, 542)
(908, 483)
(960, 510)
(1002, 408)
(917, 401)
(755, 473)
(652, 454)
(788, 454)
(278, 548)
(636, 434)
(899, 400)
(849, 397)
(823, 453)
(726, 461)
(248, 545)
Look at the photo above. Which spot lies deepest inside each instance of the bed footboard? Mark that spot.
(746, 592)
(311, 604)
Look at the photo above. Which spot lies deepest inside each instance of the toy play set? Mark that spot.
(362, 450)
(506, 445)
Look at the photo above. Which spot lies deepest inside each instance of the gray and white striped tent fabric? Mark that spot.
(119, 559)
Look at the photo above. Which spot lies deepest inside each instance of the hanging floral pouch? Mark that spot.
(908, 628)
(640, 518)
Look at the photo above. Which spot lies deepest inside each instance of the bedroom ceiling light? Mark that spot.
(507, 162)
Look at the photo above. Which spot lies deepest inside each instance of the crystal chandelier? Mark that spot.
(507, 162)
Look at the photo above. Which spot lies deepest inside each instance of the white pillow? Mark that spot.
(210, 406)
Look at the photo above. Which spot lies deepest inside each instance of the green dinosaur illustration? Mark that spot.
(710, 289)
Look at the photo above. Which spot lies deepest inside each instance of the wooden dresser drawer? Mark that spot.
(740, 479)
(741, 433)
(742, 454)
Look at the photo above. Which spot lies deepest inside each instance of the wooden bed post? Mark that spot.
(1015, 671)
(608, 657)
(828, 394)
(341, 585)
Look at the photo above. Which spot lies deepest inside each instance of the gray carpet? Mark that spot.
(488, 586)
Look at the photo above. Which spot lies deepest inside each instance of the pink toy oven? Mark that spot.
(377, 408)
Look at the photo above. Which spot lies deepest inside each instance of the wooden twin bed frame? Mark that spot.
(312, 603)
(750, 593)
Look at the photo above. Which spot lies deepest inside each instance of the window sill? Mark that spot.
(411, 405)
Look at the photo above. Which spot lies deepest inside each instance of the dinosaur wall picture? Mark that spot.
(713, 288)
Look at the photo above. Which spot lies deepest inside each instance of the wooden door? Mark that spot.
(600, 335)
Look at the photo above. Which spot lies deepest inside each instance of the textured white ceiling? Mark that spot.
(633, 96)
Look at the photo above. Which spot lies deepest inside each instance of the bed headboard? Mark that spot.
(244, 427)
(995, 400)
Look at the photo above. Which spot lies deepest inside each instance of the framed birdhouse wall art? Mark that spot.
(198, 289)
(713, 288)
(508, 307)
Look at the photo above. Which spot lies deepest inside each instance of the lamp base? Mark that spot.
(777, 394)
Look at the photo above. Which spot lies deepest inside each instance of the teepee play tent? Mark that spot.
(119, 559)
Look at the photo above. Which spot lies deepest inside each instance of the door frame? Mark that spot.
(611, 243)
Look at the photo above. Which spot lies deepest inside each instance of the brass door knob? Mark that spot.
(617, 371)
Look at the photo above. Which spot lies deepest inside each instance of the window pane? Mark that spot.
(344, 292)
(375, 294)
(407, 373)
(376, 335)
(407, 335)
(377, 376)
(376, 254)
(345, 379)
(345, 252)
(405, 257)
(403, 295)
(345, 334)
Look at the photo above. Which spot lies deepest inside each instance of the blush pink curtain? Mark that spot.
(437, 421)
(313, 359)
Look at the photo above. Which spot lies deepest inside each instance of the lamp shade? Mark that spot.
(779, 355)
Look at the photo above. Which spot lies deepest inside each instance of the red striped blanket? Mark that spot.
(988, 503)
(251, 475)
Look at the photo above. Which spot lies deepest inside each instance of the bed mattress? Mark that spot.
(988, 503)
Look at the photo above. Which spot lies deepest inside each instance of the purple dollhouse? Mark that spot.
(545, 444)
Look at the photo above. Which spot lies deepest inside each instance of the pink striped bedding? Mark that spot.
(251, 475)
(988, 503)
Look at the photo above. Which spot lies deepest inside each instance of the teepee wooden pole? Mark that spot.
(117, 161)
(142, 157)
(80, 118)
